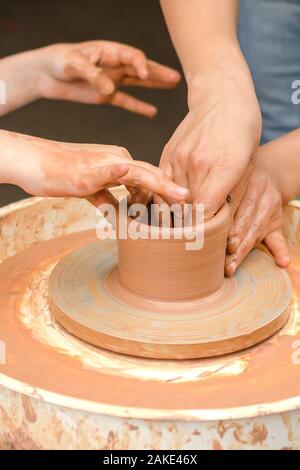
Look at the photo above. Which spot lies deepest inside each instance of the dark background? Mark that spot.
(29, 24)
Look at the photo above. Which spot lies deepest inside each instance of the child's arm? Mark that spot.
(281, 158)
(88, 72)
(48, 168)
(275, 181)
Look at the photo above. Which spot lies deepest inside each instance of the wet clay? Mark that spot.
(165, 269)
(159, 300)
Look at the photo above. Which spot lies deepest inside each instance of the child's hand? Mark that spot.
(47, 168)
(258, 218)
(91, 72)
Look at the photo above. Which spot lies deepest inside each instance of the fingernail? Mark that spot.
(173, 75)
(143, 73)
(152, 112)
(182, 192)
(231, 267)
(285, 260)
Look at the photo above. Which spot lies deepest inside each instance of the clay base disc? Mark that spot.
(87, 299)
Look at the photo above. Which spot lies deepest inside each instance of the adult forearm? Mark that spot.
(19, 75)
(204, 35)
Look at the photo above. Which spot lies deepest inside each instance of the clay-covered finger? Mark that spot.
(79, 66)
(232, 245)
(240, 189)
(153, 179)
(277, 245)
(255, 232)
(247, 212)
(253, 236)
(123, 100)
(230, 265)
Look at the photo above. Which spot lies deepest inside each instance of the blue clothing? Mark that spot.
(269, 34)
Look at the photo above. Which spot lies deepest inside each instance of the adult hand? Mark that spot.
(213, 146)
(258, 218)
(92, 72)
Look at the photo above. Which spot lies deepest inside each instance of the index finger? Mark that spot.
(153, 179)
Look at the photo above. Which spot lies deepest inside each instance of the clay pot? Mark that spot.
(164, 269)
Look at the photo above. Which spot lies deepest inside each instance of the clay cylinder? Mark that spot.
(164, 269)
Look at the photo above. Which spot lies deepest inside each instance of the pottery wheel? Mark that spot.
(86, 298)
